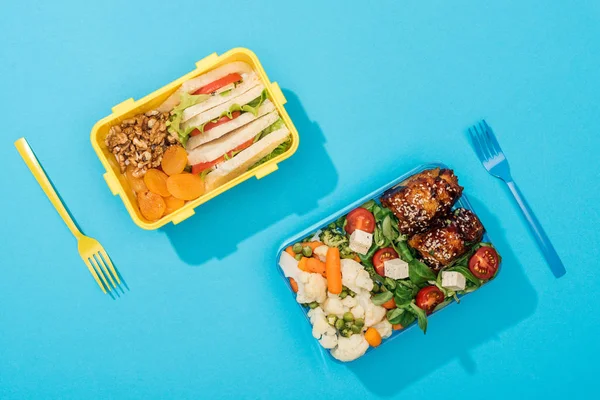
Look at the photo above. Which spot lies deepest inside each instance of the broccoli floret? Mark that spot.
(334, 238)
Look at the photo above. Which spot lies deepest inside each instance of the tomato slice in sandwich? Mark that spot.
(220, 121)
(199, 168)
(219, 83)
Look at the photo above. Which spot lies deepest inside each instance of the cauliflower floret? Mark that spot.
(321, 252)
(334, 305)
(351, 348)
(373, 313)
(354, 276)
(349, 301)
(384, 328)
(329, 341)
(311, 287)
(325, 333)
(358, 312)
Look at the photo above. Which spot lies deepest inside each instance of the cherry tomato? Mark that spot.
(218, 84)
(361, 219)
(429, 297)
(382, 255)
(484, 263)
(220, 121)
(198, 168)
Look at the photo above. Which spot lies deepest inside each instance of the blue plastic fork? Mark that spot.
(491, 156)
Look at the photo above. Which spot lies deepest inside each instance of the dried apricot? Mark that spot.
(174, 160)
(156, 181)
(152, 206)
(137, 184)
(185, 186)
(173, 203)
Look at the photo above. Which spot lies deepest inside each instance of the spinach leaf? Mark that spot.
(419, 273)
(421, 316)
(382, 297)
(401, 316)
(369, 205)
(388, 230)
(394, 314)
(403, 294)
(389, 283)
(403, 251)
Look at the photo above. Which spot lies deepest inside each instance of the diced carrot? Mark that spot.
(333, 270)
(313, 265)
(389, 304)
(397, 327)
(373, 337)
(312, 245)
(357, 259)
(294, 285)
(290, 251)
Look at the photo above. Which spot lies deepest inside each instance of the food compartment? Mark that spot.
(214, 112)
(388, 262)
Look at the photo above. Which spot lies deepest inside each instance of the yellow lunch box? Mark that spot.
(117, 182)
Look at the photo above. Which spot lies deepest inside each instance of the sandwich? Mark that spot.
(226, 122)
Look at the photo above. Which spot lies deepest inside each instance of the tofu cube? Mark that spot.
(361, 241)
(395, 269)
(453, 280)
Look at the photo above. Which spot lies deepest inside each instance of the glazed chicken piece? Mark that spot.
(438, 246)
(467, 224)
(423, 199)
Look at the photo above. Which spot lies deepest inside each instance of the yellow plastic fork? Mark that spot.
(91, 251)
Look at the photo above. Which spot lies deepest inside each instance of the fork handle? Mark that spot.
(41, 177)
(556, 265)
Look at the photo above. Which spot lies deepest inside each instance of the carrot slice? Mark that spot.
(312, 265)
(397, 327)
(333, 270)
(391, 303)
(156, 181)
(290, 251)
(373, 337)
(294, 285)
(174, 160)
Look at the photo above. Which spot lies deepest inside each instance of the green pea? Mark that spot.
(339, 324)
(298, 257)
(359, 322)
(343, 295)
(355, 328)
(313, 305)
(297, 248)
(348, 317)
(331, 319)
(306, 251)
(349, 324)
(346, 333)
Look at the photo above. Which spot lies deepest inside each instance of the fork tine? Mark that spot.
(107, 260)
(488, 141)
(475, 144)
(492, 137)
(94, 274)
(101, 264)
(482, 143)
(100, 274)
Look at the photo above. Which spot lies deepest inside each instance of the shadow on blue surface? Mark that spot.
(479, 318)
(236, 215)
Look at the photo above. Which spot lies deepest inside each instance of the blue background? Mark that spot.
(374, 90)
